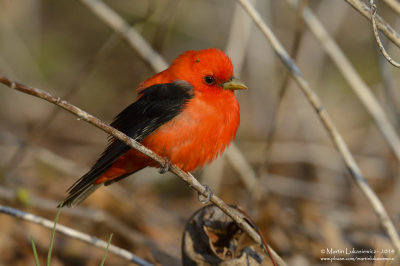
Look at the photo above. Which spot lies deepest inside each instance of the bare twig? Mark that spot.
(187, 177)
(74, 234)
(373, 9)
(337, 139)
(384, 27)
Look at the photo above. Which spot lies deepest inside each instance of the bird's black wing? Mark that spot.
(157, 105)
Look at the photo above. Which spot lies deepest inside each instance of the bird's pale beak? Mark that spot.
(234, 84)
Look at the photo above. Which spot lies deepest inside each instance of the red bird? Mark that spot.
(187, 113)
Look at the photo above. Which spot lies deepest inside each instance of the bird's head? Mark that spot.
(207, 70)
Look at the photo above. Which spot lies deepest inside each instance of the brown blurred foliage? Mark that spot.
(305, 203)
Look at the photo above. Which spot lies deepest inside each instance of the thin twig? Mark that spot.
(373, 9)
(337, 139)
(74, 234)
(187, 177)
(384, 27)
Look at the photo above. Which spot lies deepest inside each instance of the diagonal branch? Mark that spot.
(337, 139)
(187, 177)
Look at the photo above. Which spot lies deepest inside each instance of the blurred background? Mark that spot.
(304, 200)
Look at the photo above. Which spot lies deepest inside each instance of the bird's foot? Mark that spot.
(206, 195)
(165, 167)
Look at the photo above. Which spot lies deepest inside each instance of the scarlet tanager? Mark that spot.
(187, 114)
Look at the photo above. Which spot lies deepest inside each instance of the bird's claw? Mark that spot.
(165, 167)
(206, 196)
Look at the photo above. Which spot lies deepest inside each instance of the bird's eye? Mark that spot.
(209, 80)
